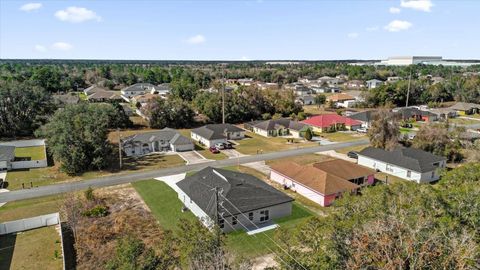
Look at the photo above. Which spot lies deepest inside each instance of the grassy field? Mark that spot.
(50, 175)
(254, 142)
(35, 249)
(303, 159)
(314, 109)
(34, 152)
(343, 136)
(463, 121)
(30, 208)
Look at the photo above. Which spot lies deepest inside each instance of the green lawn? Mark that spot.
(463, 121)
(163, 202)
(51, 175)
(254, 143)
(30, 208)
(343, 136)
(34, 249)
(34, 152)
(166, 207)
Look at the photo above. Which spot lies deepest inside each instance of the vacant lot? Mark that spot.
(31, 153)
(35, 249)
(303, 159)
(254, 144)
(341, 136)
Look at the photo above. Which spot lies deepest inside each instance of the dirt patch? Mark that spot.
(267, 261)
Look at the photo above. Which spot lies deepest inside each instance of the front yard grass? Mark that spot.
(254, 144)
(31, 207)
(463, 121)
(342, 136)
(33, 152)
(34, 249)
(357, 148)
(302, 160)
(50, 175)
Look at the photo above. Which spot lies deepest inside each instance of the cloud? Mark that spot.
(422, 5)
(77, 15)
(40, 48)
(245, 58)
(197, 39)
(31, 7)
(372, 28)
(353, 35)
(394, 10)
(397, 25)
(62, 46)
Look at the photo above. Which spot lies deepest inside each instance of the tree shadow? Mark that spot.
(7, 246)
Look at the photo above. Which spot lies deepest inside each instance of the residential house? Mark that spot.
(342, 100)
(413, 113)
(145, 98)
(322, 182)
(371, 84)
(354, 84)
(444, 113)
(105, 96)
(324, 89)
(211, 134)
(464, 108)
(164, 140)
(299, 89)
(366, 118)
(267, 85)
(137, 90)
(331, 122)
(407, 163)
(279, 127)
(7, 156)
(245, 82)
(93, 89)
(163, 89)
(394, 79)
(305, 100)
(244, 200)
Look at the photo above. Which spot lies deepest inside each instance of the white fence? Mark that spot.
(29, 164)
(25, 143)
(29, 223)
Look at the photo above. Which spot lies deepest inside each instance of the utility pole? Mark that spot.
(223, 98)
(119, 148)
(409, 83)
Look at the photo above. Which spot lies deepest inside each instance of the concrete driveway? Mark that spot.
(172, 180)
(192, 157)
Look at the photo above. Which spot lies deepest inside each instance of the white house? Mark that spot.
(137, 89)
(244, 200)
(164, 140)
(407, 163)
(209, 135)
(278, 127)
(7, 156)
(371, 84)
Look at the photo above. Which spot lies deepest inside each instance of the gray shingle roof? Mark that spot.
(461, 106)
(7, 152)
(408, 158)
(215, 131)
(166, 134)
(274, 123)
(245, 191)
(365, 116)
(139, 87)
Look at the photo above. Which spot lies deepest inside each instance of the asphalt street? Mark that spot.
(137, 176)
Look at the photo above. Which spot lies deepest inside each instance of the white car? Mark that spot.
(220, 146)
(362, 130)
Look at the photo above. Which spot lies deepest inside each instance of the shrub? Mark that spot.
(97, 211)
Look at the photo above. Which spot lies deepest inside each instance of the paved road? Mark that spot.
(132, 177)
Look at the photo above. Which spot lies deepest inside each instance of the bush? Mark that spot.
(97, 211)
(89, 194)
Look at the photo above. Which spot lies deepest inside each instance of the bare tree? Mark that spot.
(384, 131)
(71, 211)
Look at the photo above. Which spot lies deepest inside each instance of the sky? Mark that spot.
(238, 30)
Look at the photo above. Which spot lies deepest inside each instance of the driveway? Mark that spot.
(3, 190)
(172, 180)
(192, 157)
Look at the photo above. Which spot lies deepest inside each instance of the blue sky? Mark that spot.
(235, 30)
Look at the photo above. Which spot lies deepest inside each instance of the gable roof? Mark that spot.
(464, 106)
(408, 158)
(374, 81)
(314, 178)
(215, 131)
(365, 116)
(244, 191)
(104, 94)
(139, 87)
(284, 122)
(7, 152)
(166, 134)
(344, 169)
(92, 89)
(327, 120)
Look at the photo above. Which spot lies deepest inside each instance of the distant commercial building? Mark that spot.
(425, 60)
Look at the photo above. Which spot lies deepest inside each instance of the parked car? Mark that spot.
(352, 154)
(214, 150)
(227, 145)
(362, 130)
(220, 146)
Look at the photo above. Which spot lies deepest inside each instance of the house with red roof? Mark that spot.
(332, 122)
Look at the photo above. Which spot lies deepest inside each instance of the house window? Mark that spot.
(221, 223)
(250, 215)
(409, 173)
(234, 220)
(265, 215)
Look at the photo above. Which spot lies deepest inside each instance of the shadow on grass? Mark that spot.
(7, 246)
